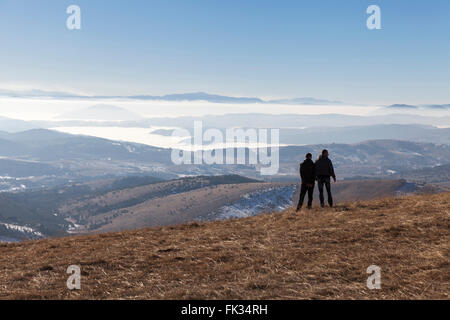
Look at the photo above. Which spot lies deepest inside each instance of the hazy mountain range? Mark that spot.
(194, 96)
(201, 96)
(427, 106)
(402, 106)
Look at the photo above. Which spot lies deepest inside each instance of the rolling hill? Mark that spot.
(135, 208)
(317, 254)
(136, 202)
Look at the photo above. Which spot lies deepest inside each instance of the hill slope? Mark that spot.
(314, 254)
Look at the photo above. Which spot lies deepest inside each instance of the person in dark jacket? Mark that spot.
(308, 175)
(324, 171)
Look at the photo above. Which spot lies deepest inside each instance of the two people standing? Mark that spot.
(322, 171)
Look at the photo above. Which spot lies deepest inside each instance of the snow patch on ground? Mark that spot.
(22, 229)
(268, 200)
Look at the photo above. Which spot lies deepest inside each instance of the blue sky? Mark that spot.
(261, 48)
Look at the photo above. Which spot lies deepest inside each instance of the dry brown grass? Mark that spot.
(317, 254)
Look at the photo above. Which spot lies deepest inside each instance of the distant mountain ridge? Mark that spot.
(203, 96)
(402, 106)
(190, 96)
(438, 106)
(426, 106)
(306, 101)
(199, 96)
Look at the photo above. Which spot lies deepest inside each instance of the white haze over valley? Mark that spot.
(52, 109)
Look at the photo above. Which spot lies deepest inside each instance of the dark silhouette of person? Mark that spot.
(308, 175)
(324, 171)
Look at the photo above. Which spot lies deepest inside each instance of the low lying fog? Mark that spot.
(42, 109)
(57, 110)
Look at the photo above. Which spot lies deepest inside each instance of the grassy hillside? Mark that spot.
(175, 208)
(317, 254)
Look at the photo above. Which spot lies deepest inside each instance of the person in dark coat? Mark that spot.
(308, 175)
(324, 171)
